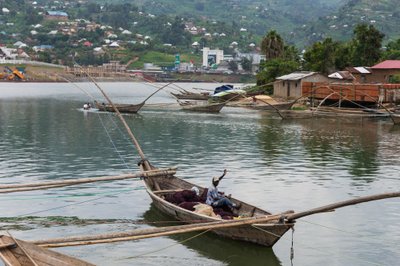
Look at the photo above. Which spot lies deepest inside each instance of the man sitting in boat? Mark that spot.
(217, 199)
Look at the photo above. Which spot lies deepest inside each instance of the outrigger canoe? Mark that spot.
(202, 107)
(266, 234)
(187, 95)
(123, 108)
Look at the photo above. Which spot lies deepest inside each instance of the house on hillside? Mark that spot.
(56, 15)
(384, 71)
(290, 86)
(13, 53)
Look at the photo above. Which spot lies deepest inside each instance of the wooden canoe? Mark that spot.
(360, 112)
(203, 107)
(335, 112)
(122, 108)
(272, 107)
(266, 234)
(187, 95)
(16, 252)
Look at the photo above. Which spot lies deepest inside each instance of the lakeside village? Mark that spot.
(366, 86)
(29, 55)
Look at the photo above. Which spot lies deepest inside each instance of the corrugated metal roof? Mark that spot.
(344, 75)
(388, 64)
(362, 70)
(296, 75)
(57, 13)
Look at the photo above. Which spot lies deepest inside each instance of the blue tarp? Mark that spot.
(223, 88)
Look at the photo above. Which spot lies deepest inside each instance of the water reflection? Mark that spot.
(322, 141)
(234, 253)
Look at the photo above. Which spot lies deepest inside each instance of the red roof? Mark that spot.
(388, 64)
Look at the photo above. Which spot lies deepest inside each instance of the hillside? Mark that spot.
(383, 14)
(300, 22)
(258, 17)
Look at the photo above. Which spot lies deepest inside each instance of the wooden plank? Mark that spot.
(19, 256)
(6, 255)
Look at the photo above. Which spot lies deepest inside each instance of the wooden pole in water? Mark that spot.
(150, 232)
(132, 137)
(62, 183)
(157, 91)
(342, 204)
(289, 216)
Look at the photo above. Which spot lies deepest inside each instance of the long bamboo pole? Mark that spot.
(163, 87)
(151, 232)
(132, 137)
(62, 183)
(342, 204)
(164, 231)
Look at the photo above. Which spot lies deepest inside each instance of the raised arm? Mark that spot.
(222, 176)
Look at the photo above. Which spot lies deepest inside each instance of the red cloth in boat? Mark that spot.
(182, 196)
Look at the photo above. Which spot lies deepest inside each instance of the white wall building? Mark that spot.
(211, 57)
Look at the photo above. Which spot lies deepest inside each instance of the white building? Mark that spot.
(211, 57)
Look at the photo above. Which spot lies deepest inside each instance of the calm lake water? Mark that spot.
(273, 164)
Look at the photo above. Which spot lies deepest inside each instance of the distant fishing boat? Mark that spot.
(335, 112)
(187, 95)
(123, 108)
(201, 106)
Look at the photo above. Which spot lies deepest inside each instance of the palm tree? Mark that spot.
(272, 45)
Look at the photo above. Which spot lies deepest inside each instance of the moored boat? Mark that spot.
(266, 234)
(123, 108)
(202, 107)
(187, 95)
(272, 107)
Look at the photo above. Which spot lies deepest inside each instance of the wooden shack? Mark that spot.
(290, 86)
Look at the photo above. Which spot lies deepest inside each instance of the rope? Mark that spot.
(67, 196)
(68, 205)
(339, 230)
(292, 248)
(164, 248)
(74, 84)
(323, 251)
(112, 143)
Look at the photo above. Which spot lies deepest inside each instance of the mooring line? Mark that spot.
(320, 250)
(170, 246)
(72, 204)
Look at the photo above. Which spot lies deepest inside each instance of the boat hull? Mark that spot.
(16, 254)
(122, 108)
(207, 108)
(191, 96)
(263, 234)
(272, 107)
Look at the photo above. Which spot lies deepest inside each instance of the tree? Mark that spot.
(281, 59)
(176, 34)
(272, 45)
(247, 64)
(322, 56)
(367, 44)
(275, 68)
(392, 51)
(232, 65)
